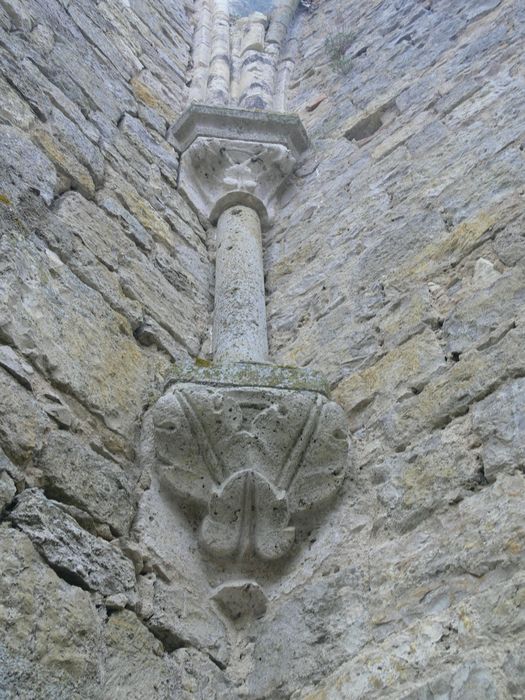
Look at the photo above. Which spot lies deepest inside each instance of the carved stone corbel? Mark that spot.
(249, 458)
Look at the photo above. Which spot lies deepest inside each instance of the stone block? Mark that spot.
(75, 174)
(482, 312)
(131, 649)
(76, 555)
(22, 422)
(158, 152)
(17, 368)
(451, 394)
(29, 168)
(59, 620)
(499, 421)
(14, 110)
(73, 473)
(369, 394)
(200, 675)
(150, 91)
(238, 124)
(439, 470)
(7, 490)
(181, 618)
(70, 334)
(127, 278)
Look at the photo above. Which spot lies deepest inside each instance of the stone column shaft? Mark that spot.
(239, 321)
(201, 53)
(219, 71)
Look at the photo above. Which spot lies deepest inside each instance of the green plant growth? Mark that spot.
(336, 45)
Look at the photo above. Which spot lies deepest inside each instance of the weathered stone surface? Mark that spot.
(71, 151)
(7, 490)
(77, 475)
(150, 92)
(434, 585)
(179, 618)
(484, 311)
(472, 679)
(129, 644)
(398, 375)
(54, 643)
(439, 470)
(89, 351)
(127, 279)
(7, 467)
(247, 436)
(199, 675)
(499, 421)
(373, 275)
(16, 367)
(160, 153)
(74, 554)
(14, 110)
(49, 629)
(395, 266)
(22, 421)
(133, 228)
(28, 167)
(451, 395)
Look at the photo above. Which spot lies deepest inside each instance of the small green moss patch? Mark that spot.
(336, 45)
(201, 362)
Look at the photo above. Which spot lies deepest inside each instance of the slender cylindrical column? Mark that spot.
(239, 320)
(201, 52)
(219, 71)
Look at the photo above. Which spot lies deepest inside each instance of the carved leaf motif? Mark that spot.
(324, 461)
(279, 427)
(247, 517)
(186, 458)
(254, 456)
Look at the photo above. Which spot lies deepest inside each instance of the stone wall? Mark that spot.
(396, 267)
(104, 283)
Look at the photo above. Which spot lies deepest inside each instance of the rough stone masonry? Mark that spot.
(395, 266)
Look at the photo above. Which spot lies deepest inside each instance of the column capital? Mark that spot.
(235, 156)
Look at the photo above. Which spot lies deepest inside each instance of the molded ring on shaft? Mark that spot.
(240, 198)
